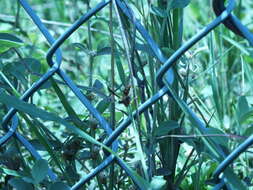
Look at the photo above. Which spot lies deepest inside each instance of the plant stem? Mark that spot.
(112, 107)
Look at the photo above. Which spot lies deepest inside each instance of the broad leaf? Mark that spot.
(243, 109)
(39, 170)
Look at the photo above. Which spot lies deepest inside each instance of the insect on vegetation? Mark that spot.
(187, 126)
(125, 98)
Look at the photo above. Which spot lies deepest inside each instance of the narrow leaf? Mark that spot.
(165, 128)
(8, 41)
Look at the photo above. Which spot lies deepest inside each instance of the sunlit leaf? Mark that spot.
(8, 41)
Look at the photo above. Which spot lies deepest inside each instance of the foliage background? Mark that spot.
(216, 74)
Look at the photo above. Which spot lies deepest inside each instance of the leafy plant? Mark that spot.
(116, 71)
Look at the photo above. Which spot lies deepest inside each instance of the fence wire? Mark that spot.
(164, 78)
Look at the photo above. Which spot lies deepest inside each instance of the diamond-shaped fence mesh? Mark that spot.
(165, 78)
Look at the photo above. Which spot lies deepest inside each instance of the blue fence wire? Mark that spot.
(164, 78)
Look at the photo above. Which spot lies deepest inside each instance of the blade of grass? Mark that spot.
(136, 124)
(71, 112)
(112, 107)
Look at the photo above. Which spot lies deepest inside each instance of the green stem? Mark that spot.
(112, 107)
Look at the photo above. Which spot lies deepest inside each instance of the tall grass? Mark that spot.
(115, 69)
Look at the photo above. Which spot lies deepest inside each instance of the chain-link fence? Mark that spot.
(165, 78)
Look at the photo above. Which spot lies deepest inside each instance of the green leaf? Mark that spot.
(17, 70)
(168, 51)
(236, 44)
(145, 48)
(234, 181)
(59, 186)
(32, 64)
(104, 51)
(243, 109)
(20, 184)
(220, 140)
(39, 170)
(36, 144)
(165, 128)
(30, 109)
(11, 172)
(103, 105)
(120, 70)
(10, 37)
(158, 11)
(8, 41)
(98, 85)
(71, 112)
(173, 4)
(246, 116)
(248, 131)
(248, 70)
(243, 106)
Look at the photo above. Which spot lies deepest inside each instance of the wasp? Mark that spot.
(125, 99)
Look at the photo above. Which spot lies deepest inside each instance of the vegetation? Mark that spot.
(115, 69)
